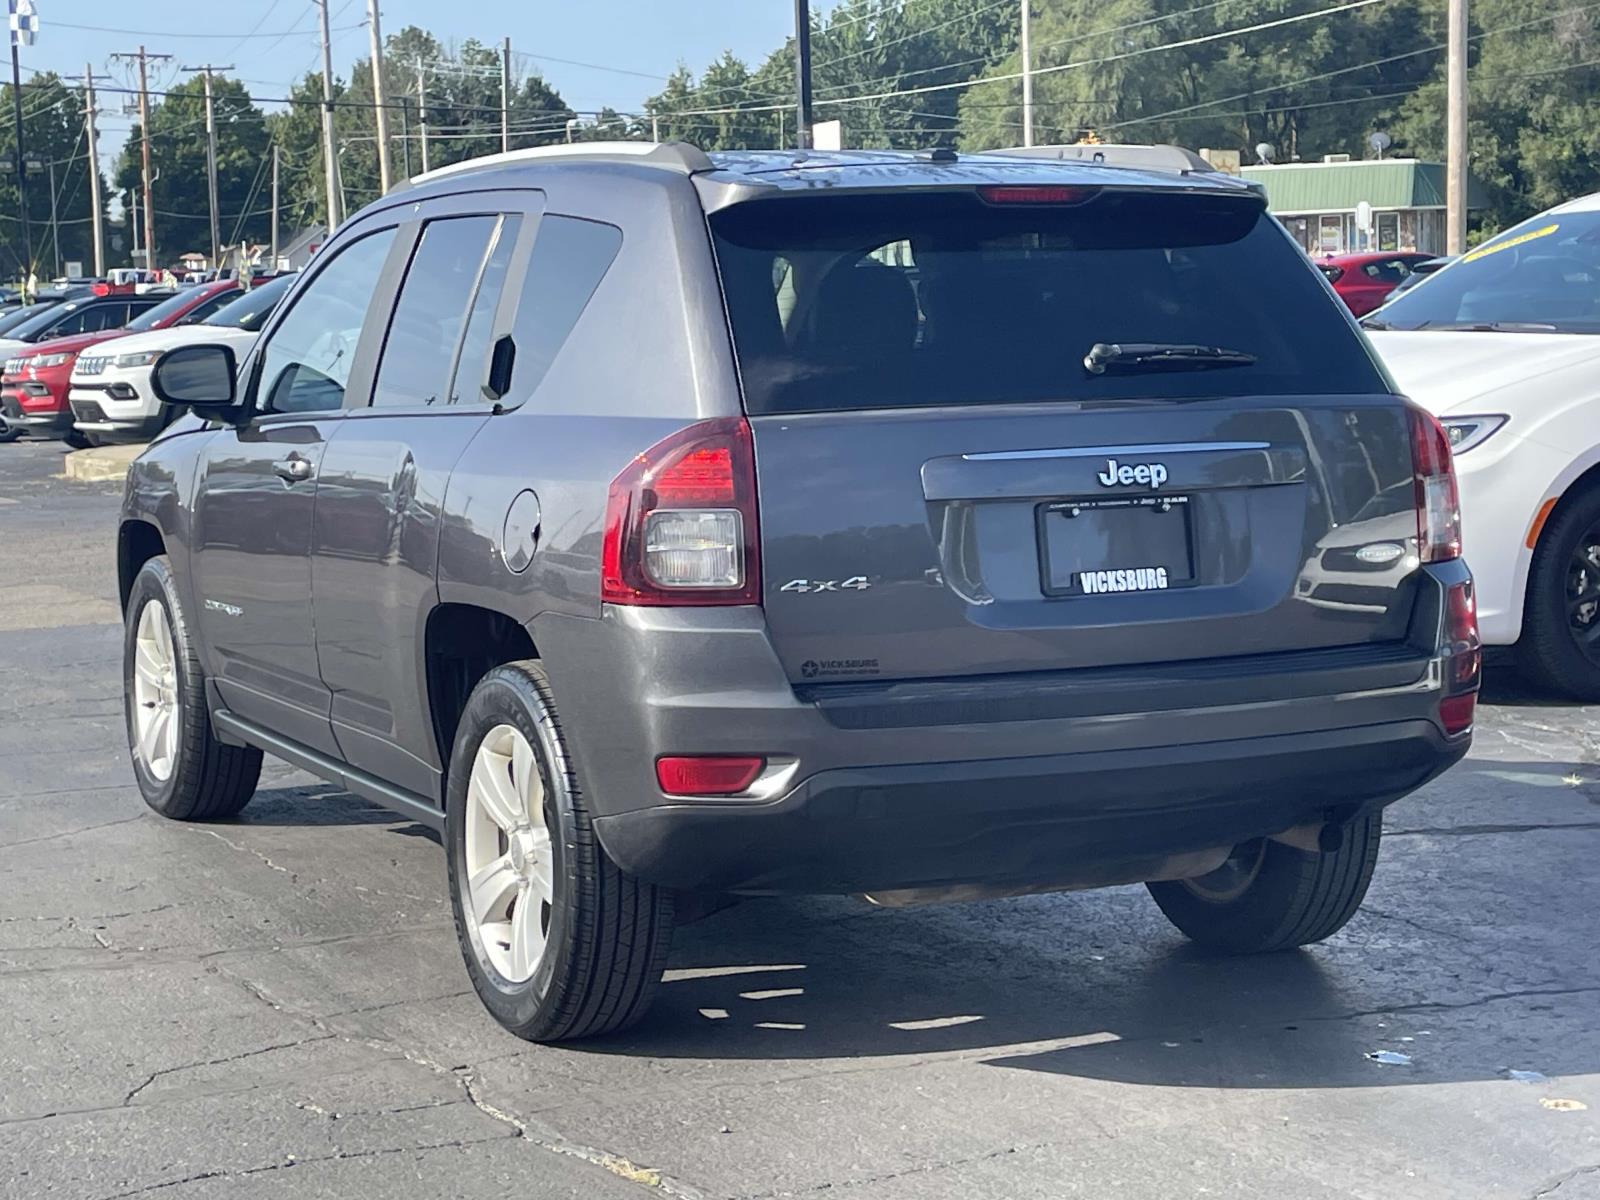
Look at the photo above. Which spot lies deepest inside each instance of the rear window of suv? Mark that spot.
(894, 300)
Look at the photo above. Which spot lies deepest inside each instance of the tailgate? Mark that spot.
(914, 544)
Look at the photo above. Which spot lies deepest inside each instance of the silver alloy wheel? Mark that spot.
(155, 693)
(510, 875)
(1234, 877)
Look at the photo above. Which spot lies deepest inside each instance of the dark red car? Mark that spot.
(34, 382)
(1364, 281)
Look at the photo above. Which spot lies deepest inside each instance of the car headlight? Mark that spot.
(1467, 432)
(50, 360)
(13, 366)
(143, 359)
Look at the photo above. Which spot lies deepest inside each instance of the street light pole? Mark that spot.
(22, 174)
(94, 172)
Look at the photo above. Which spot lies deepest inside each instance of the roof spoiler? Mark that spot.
(1171, 159)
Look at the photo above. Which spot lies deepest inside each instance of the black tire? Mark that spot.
(208, 779)
(607, 934)
(1549, 652)
(1295, 897)
(76, 439)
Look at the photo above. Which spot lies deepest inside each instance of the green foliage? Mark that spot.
(52, 132)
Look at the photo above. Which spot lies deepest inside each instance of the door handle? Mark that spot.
(292, 469)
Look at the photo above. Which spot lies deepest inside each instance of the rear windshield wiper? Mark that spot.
(1161, 356)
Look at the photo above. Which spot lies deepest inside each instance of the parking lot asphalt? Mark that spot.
(275, 1006)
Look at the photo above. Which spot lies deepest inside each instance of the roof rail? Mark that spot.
(672, 156)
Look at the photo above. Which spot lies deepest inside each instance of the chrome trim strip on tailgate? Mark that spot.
(1113, 451)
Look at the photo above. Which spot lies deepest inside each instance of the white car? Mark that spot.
(1503, 346)
(110, 392)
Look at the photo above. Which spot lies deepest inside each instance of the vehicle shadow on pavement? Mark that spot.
(1097, 985)
(324, 804)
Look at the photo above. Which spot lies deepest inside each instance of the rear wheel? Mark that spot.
(76, 439)
(183, 771)
(1560, 645)
(1272, 896)
(559, 943)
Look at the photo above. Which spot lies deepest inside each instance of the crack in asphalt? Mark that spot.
(1564, 1178)
(75, 919)
(292, 1163)
(1435, 1005)
(50, 837)
(217, 1062)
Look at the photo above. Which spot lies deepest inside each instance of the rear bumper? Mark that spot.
(1012, 781)
(1069, 819)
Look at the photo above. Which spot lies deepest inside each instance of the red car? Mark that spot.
(1364, 281)
(34, 382)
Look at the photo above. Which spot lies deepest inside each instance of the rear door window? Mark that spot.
(570, 257)
(439, 302)
(896, 300)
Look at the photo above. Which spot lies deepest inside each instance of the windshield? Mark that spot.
(45, 318)
(1542, 275)
(162, 314)
(250, 311)
(895, 300)
(22, 316)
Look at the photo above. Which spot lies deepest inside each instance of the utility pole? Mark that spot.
(1456, 130)
(330, 151)
(405, 134)
(55, 227)
(1027, 76)
(276, 156)
(211, 162)
(94, 173)
(133, 222)
(381, 111)
(802, 63)
(145, 59)
(505, 96)
(22, 173)
(422, 112)
(655, 126)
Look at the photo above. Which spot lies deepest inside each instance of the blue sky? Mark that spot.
(646, 36)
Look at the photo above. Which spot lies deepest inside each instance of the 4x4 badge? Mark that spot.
(856, 583)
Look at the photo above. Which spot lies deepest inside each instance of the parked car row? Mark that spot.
(79, 368)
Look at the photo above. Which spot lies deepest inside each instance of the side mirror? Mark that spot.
(201, 377)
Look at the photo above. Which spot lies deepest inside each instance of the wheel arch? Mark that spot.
(138, 541)
(461, 644)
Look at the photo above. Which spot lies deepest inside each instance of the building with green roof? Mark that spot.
(1317, 203)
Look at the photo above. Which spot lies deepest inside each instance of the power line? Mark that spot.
(167, 33)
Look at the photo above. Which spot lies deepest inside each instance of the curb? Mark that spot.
(101, 464)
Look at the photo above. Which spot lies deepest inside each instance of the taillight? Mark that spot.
(681, 521)
(1465, 651)
(1438, 502)
(708, 775)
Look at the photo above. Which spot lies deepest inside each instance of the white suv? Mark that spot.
(110, 392)
(1503, 346)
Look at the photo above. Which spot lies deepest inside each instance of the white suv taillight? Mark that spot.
(1438, 502)
(681, 521)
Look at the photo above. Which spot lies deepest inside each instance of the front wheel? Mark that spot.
(183, 771)
(1560, 644)
(559, 943)
(1272, 896)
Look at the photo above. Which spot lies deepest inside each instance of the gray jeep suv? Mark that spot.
(660, 525)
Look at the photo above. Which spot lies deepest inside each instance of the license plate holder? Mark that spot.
(1123, 545)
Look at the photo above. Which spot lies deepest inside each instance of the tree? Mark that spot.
(178, 164)
(1533, 108)
(53, 132)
